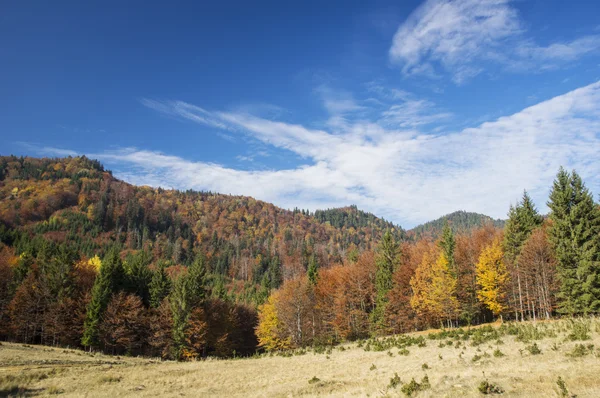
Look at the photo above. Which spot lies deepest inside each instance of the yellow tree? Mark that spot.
(492, 277)
(269, 329)
(434, 289)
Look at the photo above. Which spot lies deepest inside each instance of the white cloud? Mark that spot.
(403, 175)
(459, 36)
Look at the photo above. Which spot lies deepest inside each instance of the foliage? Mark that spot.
(574, 233)
(460, 221)
(491, 278)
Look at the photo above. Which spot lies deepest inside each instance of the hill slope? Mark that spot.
(76, 201)
(460, 222)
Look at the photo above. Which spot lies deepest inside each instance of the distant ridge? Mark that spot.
(460, 221)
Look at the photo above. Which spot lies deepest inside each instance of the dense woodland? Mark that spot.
(89, 261)
(461, 221)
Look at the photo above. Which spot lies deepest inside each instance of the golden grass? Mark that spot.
(452, 372)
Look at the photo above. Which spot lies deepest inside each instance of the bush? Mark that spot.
(563, 391)
(533, 349)
(485, 387)
(395, 381)
(580, 330)
(413, 387)
(314, 380)
(580, 350)
(498, 353)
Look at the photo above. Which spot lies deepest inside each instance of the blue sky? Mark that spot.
(408, 109)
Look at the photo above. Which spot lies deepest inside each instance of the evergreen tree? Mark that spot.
(313, 270)
(196, 279)
(160, 286)
(109, 281)
(180, 300)
(448, 244)
(387, 259)
(522, 220)
(139, 275)
(574, 234)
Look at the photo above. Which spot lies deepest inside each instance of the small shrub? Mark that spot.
(580, 330)
(425, 366)
(498, 353)
(563, 391)
(485, 387)
(580, 350)
(314, 380)
(395, 381)
(413, 387)
(533, 349)
(404, 352)
(476, 358)
(373, 367)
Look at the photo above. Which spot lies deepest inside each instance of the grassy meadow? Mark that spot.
(544, 359)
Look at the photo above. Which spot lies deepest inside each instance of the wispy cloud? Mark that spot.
(460, 36)
(401, 174)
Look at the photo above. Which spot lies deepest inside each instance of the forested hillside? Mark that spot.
(72, 210)
(88, 260)
(460, 222)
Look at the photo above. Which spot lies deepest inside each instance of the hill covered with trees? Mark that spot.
(460, 222)
(90, 261)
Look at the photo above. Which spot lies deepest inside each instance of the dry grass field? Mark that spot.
(523, 360)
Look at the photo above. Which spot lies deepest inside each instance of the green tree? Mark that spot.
(447, 243)
(522, 220)
(313, 270)
(160, 285)
(575, 236)
(187, 293)
(109, 281)
(388, 256)
(180, 300)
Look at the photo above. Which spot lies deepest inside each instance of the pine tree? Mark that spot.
(313, 270)
(196, 279)
(574, 234)
(387, 259)
(448, 244)
(180, 309)
(187, 294)
(109, 281)
(160, 286)
(522, 220)
(491, 278)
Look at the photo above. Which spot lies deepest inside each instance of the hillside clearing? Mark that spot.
(455, 364)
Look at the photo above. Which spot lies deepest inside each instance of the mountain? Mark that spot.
(74, 201)
(460, 222)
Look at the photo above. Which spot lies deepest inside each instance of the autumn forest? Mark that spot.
(89, 261)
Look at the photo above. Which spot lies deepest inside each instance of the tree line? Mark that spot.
(138, 271)
(534, 268)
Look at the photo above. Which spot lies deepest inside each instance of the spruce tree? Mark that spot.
(448, 244)
(313, 270)
(574, 234)
(109, 281)
(388, 255)
(196, 279)
(522, 220)
(160, 286)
